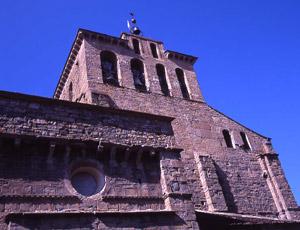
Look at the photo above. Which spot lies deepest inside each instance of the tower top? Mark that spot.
(132, 25)
(176, 74)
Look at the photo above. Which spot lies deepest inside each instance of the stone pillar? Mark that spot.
(175, 188)
(210, 182)
(280, 190)
(3, 225)
(281, 185)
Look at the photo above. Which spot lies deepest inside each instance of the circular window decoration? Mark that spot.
(87, 181)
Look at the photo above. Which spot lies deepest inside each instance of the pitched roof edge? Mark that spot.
(238, 123)
(247, 217)
(51, 101)
(56, 94)
(70, 62)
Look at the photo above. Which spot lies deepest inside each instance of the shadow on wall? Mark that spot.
(127, 177)
(229, 199)
(90, 221)
(103, 100)
(52, 222)
(124, 175)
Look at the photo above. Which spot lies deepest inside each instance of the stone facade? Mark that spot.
(106, 156)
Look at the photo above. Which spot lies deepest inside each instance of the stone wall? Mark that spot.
(56, 119)
(40, 180)
(198, 130)
(50, 138)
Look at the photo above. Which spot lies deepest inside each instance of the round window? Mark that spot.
(87, 181)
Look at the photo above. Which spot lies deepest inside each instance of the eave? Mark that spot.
(181, 57)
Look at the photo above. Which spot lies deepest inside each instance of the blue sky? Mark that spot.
(249, 54)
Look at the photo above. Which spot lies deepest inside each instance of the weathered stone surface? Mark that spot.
(48, 118)
(165, 160)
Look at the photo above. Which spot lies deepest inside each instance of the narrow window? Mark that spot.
(71, 92)
(136, 46)
(161, 73)
(153, 50)
(180, 77)
(228, 139)
(109, 68)
(137, 69)
(246, 142)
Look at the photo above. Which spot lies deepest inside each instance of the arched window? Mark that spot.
(137, 69)
(109, 68)
(228, 138)
(181, 80)
(161, 73)
(71, 92)
(136, 46)
(246, 142)
(153, 50)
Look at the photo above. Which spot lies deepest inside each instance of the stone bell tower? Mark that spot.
(101, 66)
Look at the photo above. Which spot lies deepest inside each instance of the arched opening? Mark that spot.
(246, 142)
(137, 69)
(182, 84)
(71, 92)
(227, 138)
(109, 68)
(161, 73)
(153, 50)
(136, 46)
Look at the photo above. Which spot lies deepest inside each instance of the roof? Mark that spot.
(51, 101)
(244, 219)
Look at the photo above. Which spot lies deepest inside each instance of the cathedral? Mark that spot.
(128, 142)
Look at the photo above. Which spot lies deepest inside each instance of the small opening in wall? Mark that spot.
(109, 68)
(71, 91)
(153, 50)
(161, 73)
(265, 175)
(136, 46)
(246, 142)
(84, 183)
(182, 83)
(137, 69)
(87, 181)
(227, 138)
